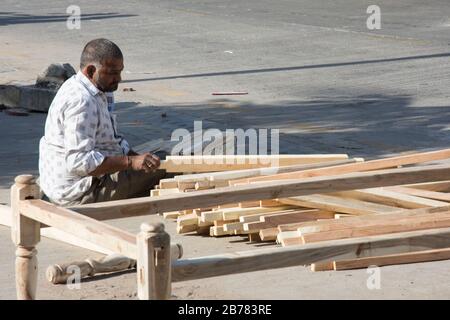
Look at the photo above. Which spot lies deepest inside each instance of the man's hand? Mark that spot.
(147, 162)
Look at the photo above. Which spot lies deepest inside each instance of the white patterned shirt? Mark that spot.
(79, 133)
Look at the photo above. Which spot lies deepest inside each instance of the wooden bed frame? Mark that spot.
(151, 247)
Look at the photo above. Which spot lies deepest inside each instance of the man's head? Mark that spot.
(102, 62)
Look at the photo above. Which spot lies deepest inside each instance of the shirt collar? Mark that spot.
(93, 90)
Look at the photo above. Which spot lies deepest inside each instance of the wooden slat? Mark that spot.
(76, 224)
(390, 198)
(269, 234)
(356, 167)
(421, 193)
(275, 220)
(256, 217)
(231, 214)
(205, 163)
(219, 231)
(354, 222)
(438, 220)
(439, 186)
(337, 204)
(267, 190)
(402, 258)
(188, 219)
(219, 177)
(262, 259)
(233, 226)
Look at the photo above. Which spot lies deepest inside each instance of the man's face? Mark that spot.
(107, 77)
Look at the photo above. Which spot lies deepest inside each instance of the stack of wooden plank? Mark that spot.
(316, 217)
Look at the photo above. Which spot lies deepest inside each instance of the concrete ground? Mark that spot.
(312, 70)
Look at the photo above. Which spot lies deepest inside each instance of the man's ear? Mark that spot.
(90, 70)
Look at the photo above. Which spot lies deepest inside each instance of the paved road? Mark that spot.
(312, 69)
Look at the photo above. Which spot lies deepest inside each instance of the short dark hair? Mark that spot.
(97, 50)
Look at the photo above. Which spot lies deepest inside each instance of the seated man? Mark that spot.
(82, 158)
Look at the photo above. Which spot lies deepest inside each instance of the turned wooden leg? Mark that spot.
(26, 273)
(154, 269)
(25, 234)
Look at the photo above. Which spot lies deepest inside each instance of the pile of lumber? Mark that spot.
(305, 219)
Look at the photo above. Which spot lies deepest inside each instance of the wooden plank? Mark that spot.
(257, 217)
(356, 167)
(269, 234)
(287, 235)
(337, 204)
(55, 234)
(269, 203)
(211, 216)
(402, 258)
(185, 185)
(219, 231)
(421, 193)
(322, 266)
(250, 204)
(231, 213)
(204, 185)
(233, 226)
(297, 216)
(210, 163)
(439, 186)
(263, 259)
(390, 197)
(219, 177)
(267, 190)
(353, 222)
(187, 228)
(213, 163)
(168, 183)
(171, 215)
(275, 220)
(439, 220)
(76, 224)
(187, 220)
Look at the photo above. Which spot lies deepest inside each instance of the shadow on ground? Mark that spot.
(14, 18)
(369, 125)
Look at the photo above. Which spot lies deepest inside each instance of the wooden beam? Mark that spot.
(337, 204)
(263, 259)
(354, 222)
(269, 234)
(224, 176)
(261, 191)
(257, 217)
(94, 231)
(439, 186)
(231, 214)
(390, 198)
(275, 220)
(205, 163)
(438, 220)
(401, 258)
(355, 167)
(421, 193)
